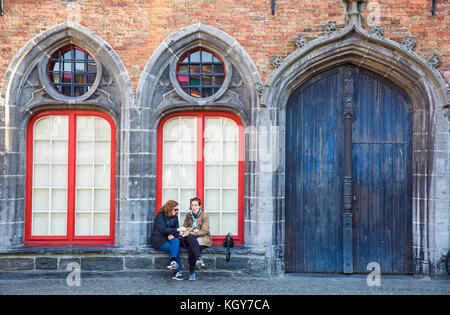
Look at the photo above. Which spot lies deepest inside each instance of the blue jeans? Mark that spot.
(173, 248)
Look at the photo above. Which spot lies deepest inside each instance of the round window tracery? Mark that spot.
(71, 71)
(200, 73)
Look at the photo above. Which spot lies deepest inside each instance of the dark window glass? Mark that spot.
(71, 71)
(200, 73)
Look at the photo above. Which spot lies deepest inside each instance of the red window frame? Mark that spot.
(217, 239)
(70, 238)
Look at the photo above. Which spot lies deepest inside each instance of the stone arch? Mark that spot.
(418, 78)
(158, 94)
(26, 92)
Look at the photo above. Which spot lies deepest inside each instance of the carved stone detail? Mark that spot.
(408, 43)
(377, 30)
(434, 61)
(330, 29)
(300, 42)
(276, 61)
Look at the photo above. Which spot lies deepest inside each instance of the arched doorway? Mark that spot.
(381, 168)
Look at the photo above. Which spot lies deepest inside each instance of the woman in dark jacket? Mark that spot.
(165, 236)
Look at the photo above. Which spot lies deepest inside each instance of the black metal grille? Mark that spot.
(200, 73)
(72, 71)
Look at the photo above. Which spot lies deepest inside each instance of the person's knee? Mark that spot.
(174, 242)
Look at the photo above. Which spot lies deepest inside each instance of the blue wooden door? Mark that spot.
(313, 228)
(381, 157)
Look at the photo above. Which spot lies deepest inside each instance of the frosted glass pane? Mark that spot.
(230, 176)
(229, 199)
(102, 152)
(230, 151)
(188, 152)
(230, 130)
(58, 224)
(41, 175)
(169, 194)
(83, 224)
(102, 130)
(170, 175)
(59, 152)
(84, 128)
(40, 224)
(102, 176)
(212, 176)
(186, 195)
(84, 152)
(171, 129)
(188, 176)
(171, 152)
(214, 223)
(213, 152)
(84, 200)
(41, 199)
(212, 199)
(229, 223)
(42, 128)
(84, 176)
(41, 151)
(188, 128)
(59, 199)
(101, 200)
(101, 224)
(60, 125)
(213, 128)
(59, 176)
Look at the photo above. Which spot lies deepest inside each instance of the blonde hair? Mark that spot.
(168, 207)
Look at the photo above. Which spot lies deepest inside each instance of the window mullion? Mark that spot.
(71, 187)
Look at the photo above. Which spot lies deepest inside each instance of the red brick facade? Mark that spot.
(135, 28)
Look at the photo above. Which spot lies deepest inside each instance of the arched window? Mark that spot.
(202, 154)
(70, 185)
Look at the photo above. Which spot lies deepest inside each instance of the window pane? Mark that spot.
(171, 129)
(101, 200)
(188, 129)
(188, 176)
(171, 152)
(169, 194)
(213, 151)
(213, 128)
(229, 223)
(101, 224)
(102, 129)
(59, 199)
(84, 128)
(41, 177)
(230, 176)
(59, 151)
(230, 152)
(188, 151)
(212, 176)
(230, 130)
(41, 199)
(186, 194)
(40, 224)
(212, 199)
(58, 224)
(229, 200)
(214, 223)
(102, 152)
(83, 224)
(41, 151)
(42, 128)
(206, 56)
(84, 176)
(84, 200)
(60, 127)
(59, 176)
(84, 152)
(195, 57)
(102, 176)
(170, 176)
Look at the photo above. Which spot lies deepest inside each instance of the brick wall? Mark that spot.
(135, 28)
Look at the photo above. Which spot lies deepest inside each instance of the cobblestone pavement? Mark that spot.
(209, 284)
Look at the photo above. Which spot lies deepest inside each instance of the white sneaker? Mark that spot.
(200, 264)
(173, 265)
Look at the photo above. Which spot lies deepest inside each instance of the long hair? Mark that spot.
(168, 207)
